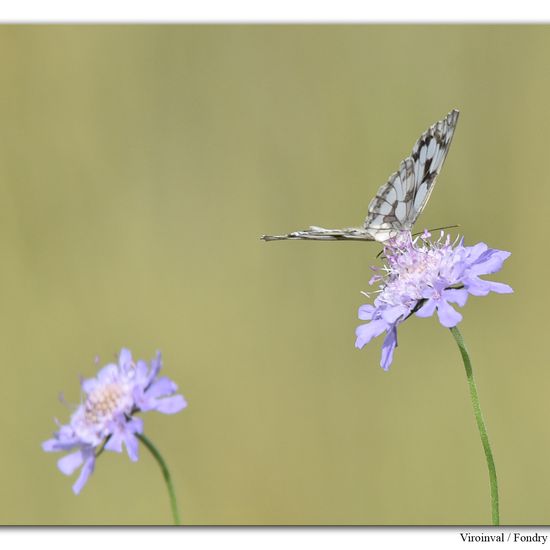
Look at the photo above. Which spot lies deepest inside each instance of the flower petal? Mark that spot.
(457, 296)
(171, 405)
(475, 252)
(477, 287)
(106, 374)
(132, 446)
(59, 444)
(115, 442)
(448, 316)
(161, 387)
(125, 357)
(366, 311)
(500, 288)
(389, 345)
(141, 372)
(88, 385)
(133, 426)
(490, 262)
(392, 314)
(428, 309)
(85, 473)
(365, 333)
(156, 365)
(69, 463)
(50, 446)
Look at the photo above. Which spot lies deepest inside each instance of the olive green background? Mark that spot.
(138, 167)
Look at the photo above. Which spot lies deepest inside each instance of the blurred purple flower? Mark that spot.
(105, 418)
(423, 277)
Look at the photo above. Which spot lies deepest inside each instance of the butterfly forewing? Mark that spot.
(402, 198)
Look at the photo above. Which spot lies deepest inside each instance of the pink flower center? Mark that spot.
(105, 402)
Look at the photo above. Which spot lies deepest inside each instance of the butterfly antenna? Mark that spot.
(437, 229)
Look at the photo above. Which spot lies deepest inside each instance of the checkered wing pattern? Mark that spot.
(400, 201)
(402, 198)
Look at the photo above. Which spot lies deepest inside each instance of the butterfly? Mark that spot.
(402, 198)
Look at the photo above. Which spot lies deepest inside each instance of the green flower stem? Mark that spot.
(165, 474)
(480, 424)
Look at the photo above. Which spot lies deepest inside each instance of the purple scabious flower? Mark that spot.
(105, 419)
(424, 277)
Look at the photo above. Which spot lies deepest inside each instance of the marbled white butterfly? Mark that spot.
(402, 198)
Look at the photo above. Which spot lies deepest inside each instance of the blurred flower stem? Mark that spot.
(480, 424)
(166, 474)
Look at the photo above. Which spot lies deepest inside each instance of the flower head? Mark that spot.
(105, 419)
(424, 277)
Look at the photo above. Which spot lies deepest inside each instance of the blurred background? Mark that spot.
(139, 167)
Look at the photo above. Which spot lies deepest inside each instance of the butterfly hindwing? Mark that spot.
(390, 209)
